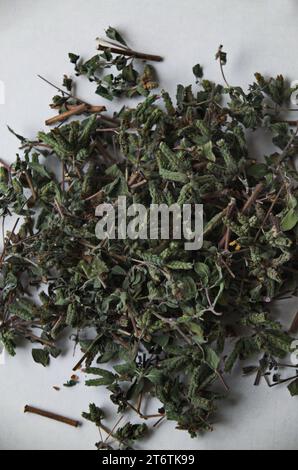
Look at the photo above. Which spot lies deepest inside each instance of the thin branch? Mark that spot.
(172, 323)
(30, 183)
(268, 213)
(54, 416)
(80, 362)
(294, 326)
(75, 110)
(129, 52)
(63, 91)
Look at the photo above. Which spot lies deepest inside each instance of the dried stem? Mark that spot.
(54, 416)
(130, 53)
(111, 433)
(268, 213)
(8, 241)
(80, 362)
(141, 415)
(30, 183)
(294, 326)
(98, 193)
(33, 337)
(172, 323)
(252, 199)
(75, 110)
(63, 91)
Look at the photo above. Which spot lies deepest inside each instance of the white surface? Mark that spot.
(35, 37)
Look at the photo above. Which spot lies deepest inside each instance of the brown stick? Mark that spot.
(30, 335)
(90, 108)
(226, 238)
(59, 208)
(35, 144)
(133, 178)
(119, 340)
(75, 110)
(252, 199)
(85, 355)
(29, 181)
(131, 53)
(105, 118)
(137, 185)
(54, 416)
(93, 195)
(268, 213)
(294, 326)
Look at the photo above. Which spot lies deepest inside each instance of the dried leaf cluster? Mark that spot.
(169, 323)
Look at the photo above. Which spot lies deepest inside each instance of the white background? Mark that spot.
(35, 37)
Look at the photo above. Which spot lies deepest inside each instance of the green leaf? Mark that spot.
(7, 338)
(97, 382)
(104, 92)
(40, 169)
(207, 151)
(196, 329)
(180, 95)
(41, 356)
(156, 376)
(95, 415)
(197, 71)
(73, 57)
(258, 170)
(126, 369)
(290, 220)
(179, 265)
(202, 403)
(162, 340)
(232, 358)
(173, 175)
(131, 432)
(129, 73)
(211, 358)
(215, 220)
(18, 136)
(113, 34)
(24, 309)
(107, 377)
(278, 342)
(203, 271)
(293, 388)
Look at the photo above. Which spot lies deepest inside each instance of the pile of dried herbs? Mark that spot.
(169, 323)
